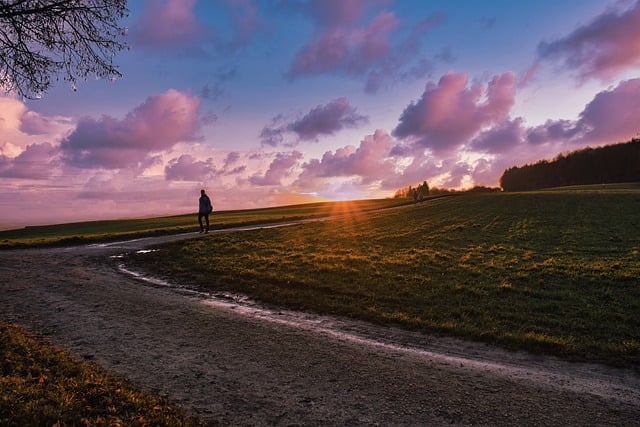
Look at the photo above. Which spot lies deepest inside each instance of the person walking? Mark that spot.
(204, 209)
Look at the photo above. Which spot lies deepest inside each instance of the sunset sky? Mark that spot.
(267, 103)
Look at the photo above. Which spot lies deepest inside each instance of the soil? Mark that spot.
(230, 361)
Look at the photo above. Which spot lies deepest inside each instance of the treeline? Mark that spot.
(422, 190)
(603, 165)
(411, 192)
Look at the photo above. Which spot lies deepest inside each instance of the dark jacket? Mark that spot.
(205, 205)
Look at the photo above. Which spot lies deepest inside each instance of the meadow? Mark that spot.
(554, 272)
(110, 230)
(551, 272)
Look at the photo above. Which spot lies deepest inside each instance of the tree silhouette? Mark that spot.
(41, 40)
(602, 165)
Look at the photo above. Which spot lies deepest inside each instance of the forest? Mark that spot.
(604, 165)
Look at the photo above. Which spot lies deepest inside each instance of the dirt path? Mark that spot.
(242, 364)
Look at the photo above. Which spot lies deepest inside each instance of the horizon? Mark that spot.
(279, 103)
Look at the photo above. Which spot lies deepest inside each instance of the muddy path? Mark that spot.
(228, 360)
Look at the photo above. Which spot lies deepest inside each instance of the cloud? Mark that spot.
(501, 137)
(342, 43)
(35, 162)
(186, 168)
(174, 25)
(404, 61)
(604, 48)
(370, 161)
(612, 116)
(158, 124)
(450, 113)
(273, 134)
(280, 168)
(348, 49)
(321, 120)
(167, 23)
(33, 123)
(327, 119)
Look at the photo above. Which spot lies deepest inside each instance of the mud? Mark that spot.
(229, 360)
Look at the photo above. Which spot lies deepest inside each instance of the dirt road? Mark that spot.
(242, 364)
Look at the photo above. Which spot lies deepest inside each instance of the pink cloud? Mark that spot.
(370, 161)
(167, 23)
(605, 47)
(158, 124)
(187, 168)
(346, 42)
(280, 168)
(612, 116)
(33, 123)
(501, 137)
(401, 64)
(327, 119)
(321, 120)
(450, 113)
(556, 131)
(340, 43)
(35, 162)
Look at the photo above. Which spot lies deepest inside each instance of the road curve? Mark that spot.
(241, 364)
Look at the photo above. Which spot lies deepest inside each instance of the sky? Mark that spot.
(266, 103)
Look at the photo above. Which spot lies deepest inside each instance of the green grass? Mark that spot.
(553, 272)
(41, 384)
(99, 231)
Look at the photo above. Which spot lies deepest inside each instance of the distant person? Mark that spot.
(204, 209)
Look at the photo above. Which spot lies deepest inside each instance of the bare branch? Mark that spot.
(42, 39)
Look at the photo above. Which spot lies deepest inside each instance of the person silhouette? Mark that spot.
(204, 209)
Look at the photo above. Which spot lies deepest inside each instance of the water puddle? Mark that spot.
(580, 378)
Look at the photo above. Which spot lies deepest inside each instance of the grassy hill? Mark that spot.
(552, 271)
(100, 231)
(555, 272)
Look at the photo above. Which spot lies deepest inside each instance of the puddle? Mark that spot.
(580, 378)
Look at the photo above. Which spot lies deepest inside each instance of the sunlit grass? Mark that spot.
(98, 231)
(43, 385)
(553, 272)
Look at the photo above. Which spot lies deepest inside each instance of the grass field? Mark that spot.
(99, 231)
(554, 272)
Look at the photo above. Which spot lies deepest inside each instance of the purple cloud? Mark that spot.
(343, 43)
(321, 120)
(612, 116)
(280, 168)
(169, 23)
(173, 24)
(501, 137)
(35, 162)
(186, 168)
(450, 113)
(339, 42)
(370, 161)
(158, 124)
(605, 47)
(327, 119)
(33, 123)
